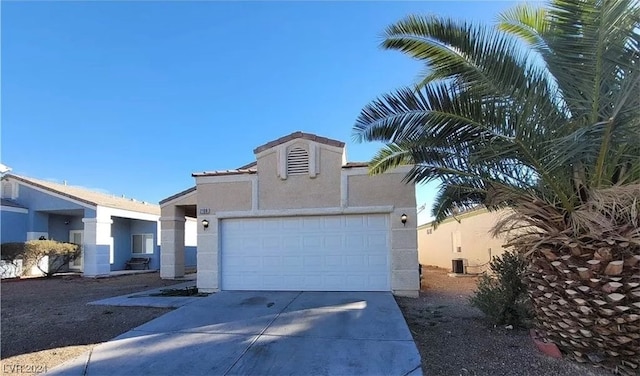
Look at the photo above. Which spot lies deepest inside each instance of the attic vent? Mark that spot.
(9, 190)
(297, 162)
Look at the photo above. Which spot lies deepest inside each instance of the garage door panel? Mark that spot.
(333, 261)
(332, 241)
(377, 260)
(331, 223)
(377, 222)
(355, 222)
(313, 241)
(330, 253)
(376, 240)
(311, 223)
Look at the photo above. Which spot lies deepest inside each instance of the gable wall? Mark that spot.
(300, 191)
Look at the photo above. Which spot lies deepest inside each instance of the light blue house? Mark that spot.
(111, 229)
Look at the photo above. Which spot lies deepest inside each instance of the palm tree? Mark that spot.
(539, 114)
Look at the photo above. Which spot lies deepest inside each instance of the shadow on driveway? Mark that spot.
(265, 333)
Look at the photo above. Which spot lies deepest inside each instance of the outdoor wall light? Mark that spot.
(67, 222)
(205, 223)
(403, 219)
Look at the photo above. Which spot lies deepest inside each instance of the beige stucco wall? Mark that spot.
(300, 191)
(225, 196)
(476, 242)
(386, 189)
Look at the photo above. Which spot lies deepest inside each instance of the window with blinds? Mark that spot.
(297, 162)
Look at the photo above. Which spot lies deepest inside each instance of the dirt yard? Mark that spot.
(453, 338)
(46, 322)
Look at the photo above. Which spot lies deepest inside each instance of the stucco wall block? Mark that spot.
(207, 279)
(208, 243)
(405, 280)
(385, 189)
(210, 259)
(404, 260)
(172, 253)
(404, 239)
(225, 196)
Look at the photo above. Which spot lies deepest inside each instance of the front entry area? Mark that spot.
(306, 253)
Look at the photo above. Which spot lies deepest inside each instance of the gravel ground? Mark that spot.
(46, 322)
(453, 338)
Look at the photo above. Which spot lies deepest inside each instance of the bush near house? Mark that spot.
(11, 255)
(56, 255)
(502, 292)
(10, 252)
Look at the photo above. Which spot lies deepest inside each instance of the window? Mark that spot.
(142, 243)
(297, 162)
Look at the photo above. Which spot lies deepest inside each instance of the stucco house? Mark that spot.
(298, 218)
(465, 238)
(111, 229)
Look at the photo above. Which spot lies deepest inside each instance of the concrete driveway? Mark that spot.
(263, 333)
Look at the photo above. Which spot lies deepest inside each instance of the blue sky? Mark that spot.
(132, 97)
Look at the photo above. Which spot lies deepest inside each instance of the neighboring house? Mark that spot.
(466, 237)
(111, 229)
(298, 218)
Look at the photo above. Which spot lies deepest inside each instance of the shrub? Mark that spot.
(10, 252)
(59, 254)
(502, 294)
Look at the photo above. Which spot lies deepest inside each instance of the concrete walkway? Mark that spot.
(263, 333)
(150, 298)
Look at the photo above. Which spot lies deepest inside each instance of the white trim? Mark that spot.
(14, 209)
(305, 212)
(254, 193)
(71, 264)
(57, 195)
(313, 159)
(96, 220)
(282, 162)
(181, 197)
(223, 178)
(114, 212)
(344, 190)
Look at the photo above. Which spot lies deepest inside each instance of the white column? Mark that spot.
(172, 247)
(96, 245)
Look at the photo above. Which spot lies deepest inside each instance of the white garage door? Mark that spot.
(323, 253)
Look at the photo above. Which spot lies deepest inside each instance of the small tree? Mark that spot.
(58, 254)
(502, 293)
